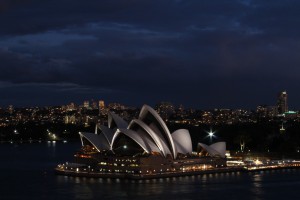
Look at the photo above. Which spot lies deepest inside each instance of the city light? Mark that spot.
(124, 147)
(211, 135)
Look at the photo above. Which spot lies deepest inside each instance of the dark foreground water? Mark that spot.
(26, 172)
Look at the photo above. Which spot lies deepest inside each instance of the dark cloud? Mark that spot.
(200, 53)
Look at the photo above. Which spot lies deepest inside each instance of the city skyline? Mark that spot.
(280, 105)
(201, 54)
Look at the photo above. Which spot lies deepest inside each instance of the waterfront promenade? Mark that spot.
(85, 171)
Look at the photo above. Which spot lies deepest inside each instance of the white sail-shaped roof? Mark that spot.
(150, 117)
(216, 149)
(108, 133)
(98, 141)
(115, 121)
(141, 140)
(219, 147)
(149, 131)
(156, 139)
(182, 140)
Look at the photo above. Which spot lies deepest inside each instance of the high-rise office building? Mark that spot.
(86, 104)
(282, 104)
(94, 105)
(101, 105)
(71, 106)
(10, 109)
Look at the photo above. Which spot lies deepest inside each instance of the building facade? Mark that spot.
(282, 102)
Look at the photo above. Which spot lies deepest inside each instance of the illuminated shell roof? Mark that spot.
(154, 121)
(98, 141)
(163, 149)
(216, 149)
(108, 133)
(149, 131)
(182, 140)
(115, 121)
(143, 140)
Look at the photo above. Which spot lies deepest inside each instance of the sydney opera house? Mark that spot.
(143, 147)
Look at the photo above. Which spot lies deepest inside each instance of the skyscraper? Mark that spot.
(86, 104)
(282, 103)
(101, 105)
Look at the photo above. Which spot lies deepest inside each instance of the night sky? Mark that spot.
(199, 53)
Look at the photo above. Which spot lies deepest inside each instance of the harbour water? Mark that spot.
(26, 172)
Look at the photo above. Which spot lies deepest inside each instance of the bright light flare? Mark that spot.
(211, 133)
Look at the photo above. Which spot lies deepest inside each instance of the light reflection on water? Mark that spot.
(179, 187)
(28, 173)
(176, 186)
(257, 183)
(210, 186)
